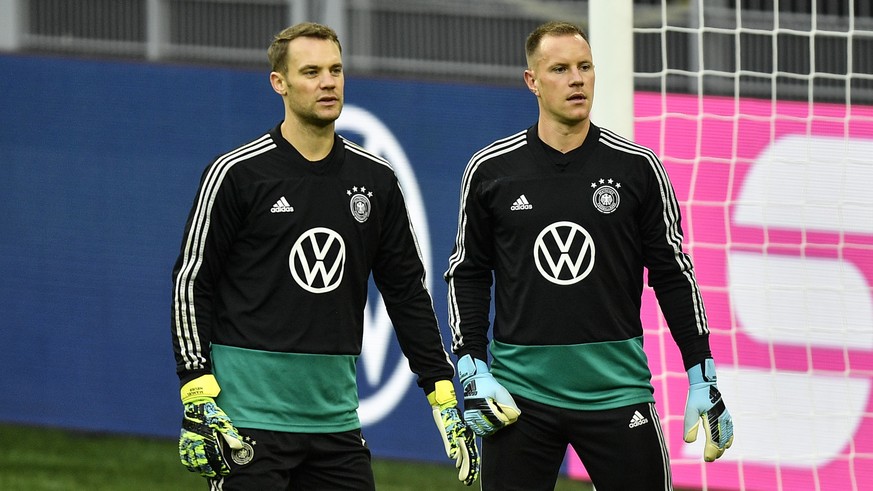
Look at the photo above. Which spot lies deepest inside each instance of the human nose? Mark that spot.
(576, 77)
(328, 80)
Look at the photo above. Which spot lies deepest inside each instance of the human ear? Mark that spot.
(278, 83)
(531, 81)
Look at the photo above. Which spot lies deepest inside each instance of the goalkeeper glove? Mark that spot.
(199, 447)
(487, 404)
(705, 403)
(458, 438)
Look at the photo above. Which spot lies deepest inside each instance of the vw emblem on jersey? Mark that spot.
(317, 260)
(360, 203)
(606, 197)
(564, 253)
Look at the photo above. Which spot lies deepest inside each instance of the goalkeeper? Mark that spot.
(270, 289)
(561, 220)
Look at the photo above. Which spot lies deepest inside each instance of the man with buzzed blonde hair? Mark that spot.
(561, 219)
(270, 289)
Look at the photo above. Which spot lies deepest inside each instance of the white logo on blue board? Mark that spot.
(387, 376)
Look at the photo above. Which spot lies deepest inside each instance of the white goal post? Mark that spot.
(762, 112)
(610, 30)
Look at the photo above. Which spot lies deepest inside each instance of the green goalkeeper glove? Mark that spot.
(202, 422)
(488, 406)
(705, 403)
(458, 438)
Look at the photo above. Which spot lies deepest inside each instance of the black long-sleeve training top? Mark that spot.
(273, 272)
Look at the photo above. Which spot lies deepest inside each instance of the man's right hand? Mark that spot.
(458, 438)
(488, 406)
(202, 423)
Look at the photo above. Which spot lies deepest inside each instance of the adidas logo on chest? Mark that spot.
(282, 206)
(521, 204)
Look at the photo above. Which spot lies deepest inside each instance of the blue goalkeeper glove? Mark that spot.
(705, 403)
(458, 438)
(203, 421)
(487, 404)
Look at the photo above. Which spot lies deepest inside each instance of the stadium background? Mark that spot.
(111, 109)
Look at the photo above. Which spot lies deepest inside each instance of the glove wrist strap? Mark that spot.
(203, 387)
(703, 372)
(469, 366)
(443, 395)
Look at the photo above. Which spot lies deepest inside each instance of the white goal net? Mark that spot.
(762, 112)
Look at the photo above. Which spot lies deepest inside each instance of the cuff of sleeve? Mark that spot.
(694, 351)
(476, 354)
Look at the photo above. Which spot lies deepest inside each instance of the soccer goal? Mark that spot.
(762, 112)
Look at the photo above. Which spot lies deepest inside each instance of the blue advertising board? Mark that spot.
(100, 162)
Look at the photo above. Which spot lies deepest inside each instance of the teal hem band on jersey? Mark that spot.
(292, 392)
(591, 376)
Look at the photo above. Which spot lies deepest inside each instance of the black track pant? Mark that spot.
(622, 449)
(278, 461)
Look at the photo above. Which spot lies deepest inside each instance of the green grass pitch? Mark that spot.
(47, 459)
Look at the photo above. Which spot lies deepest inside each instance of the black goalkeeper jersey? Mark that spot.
(276, 256)
(565, 239)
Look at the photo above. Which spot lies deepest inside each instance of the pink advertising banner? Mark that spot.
(778, 217)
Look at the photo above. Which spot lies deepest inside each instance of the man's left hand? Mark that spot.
(705, 404)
